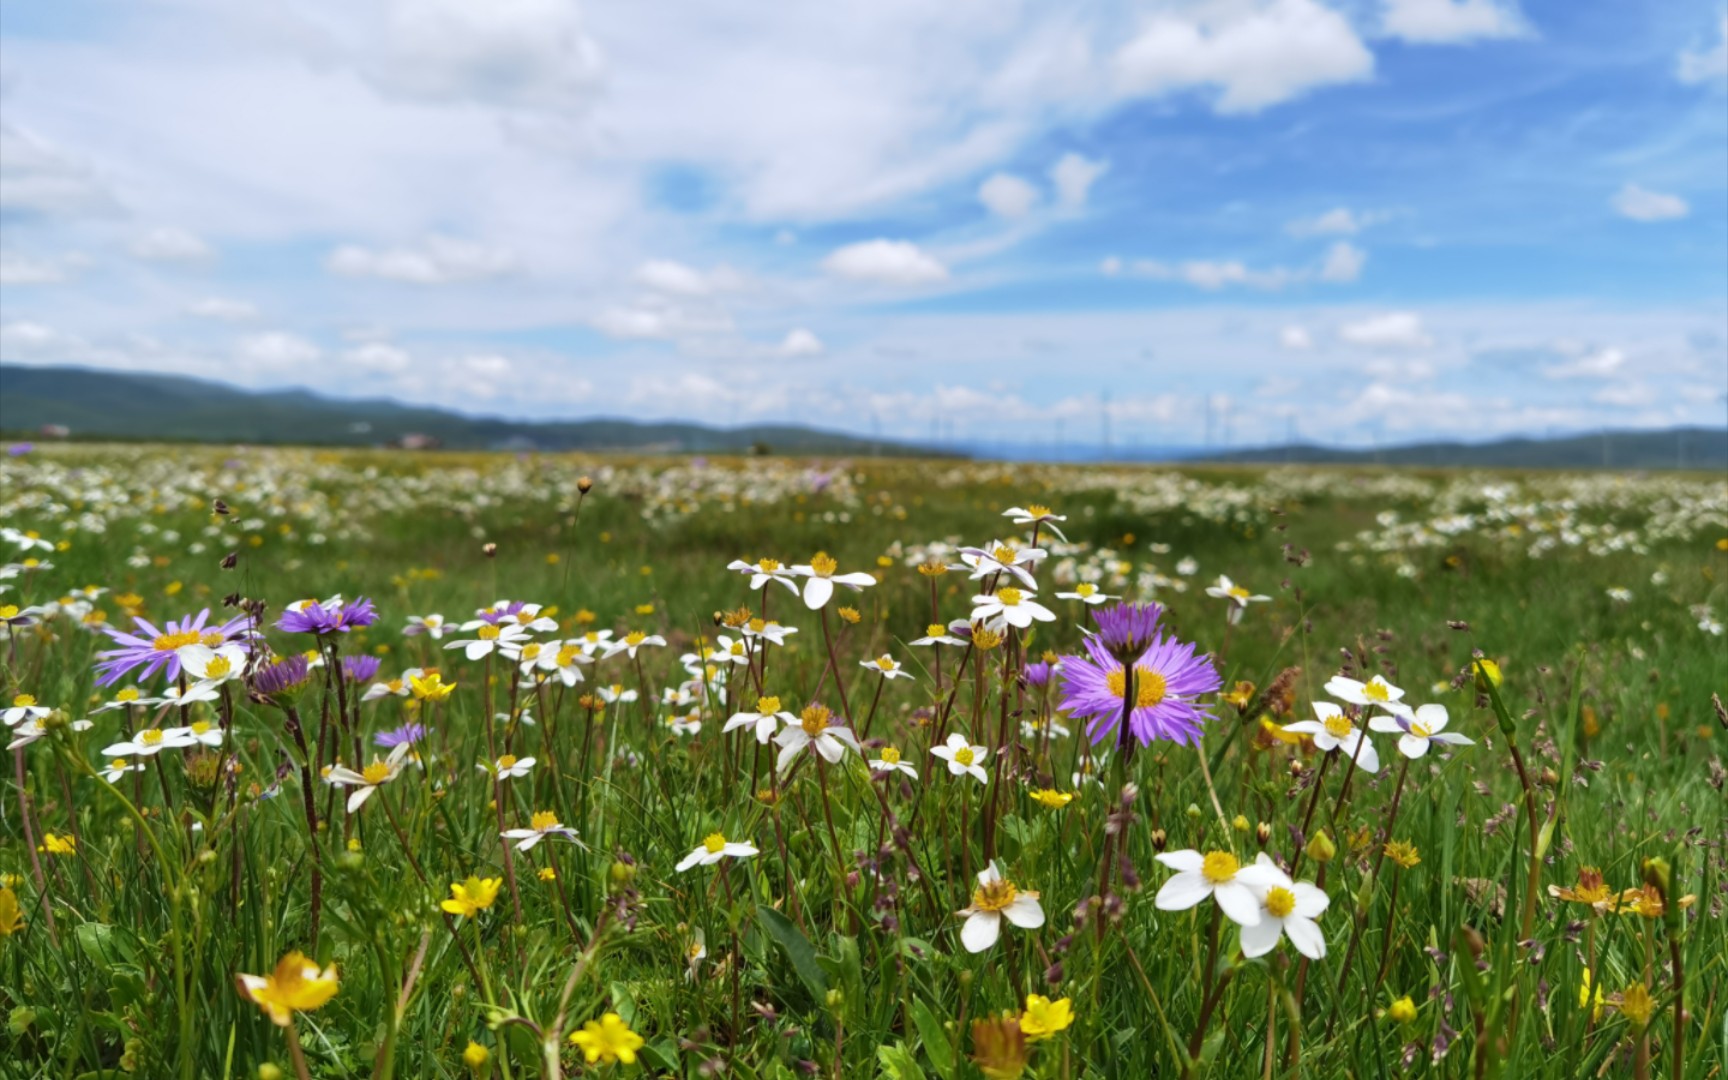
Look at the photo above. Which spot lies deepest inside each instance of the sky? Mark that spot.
(1168, 222)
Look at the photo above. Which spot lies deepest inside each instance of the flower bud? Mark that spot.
(489, 549)
(585, 484)
(1321, 848)
(1263, 833)
(1159, 840)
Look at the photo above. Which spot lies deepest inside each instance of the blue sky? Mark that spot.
(1375, 220)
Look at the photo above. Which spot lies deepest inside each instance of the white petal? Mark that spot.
(817, 591)
(1453, 738)
(690, 860)
(1306, 727)
(981, 931)
(1306, 936)
(1310, 901)
(1182, 892)
(1186, 860)
(1238, 902)
(1261, 938)
(1412, 746)
(1433, 717)
(358, 799)
(1386, 725)
(1025, 912)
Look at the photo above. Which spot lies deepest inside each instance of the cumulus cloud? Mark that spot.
(1339, 221)
(1398, 370)
(800, 342)
(1642, 204)
(1073, 176)
(532, 54)
(885, 262)
(1255, 55)
(1393, 330)
(1628, 395)
(23, 341)
(1706, 64)
(1343, 263)
(276, 350)
(1008, 196)
(216, 307)
(438, 260)
(655, 319)
(1600, 364)
(1295, 337)
(16, 269)
(380, 357)
(677, 279)
(167, 244)
(37, 176)
(1452, 22)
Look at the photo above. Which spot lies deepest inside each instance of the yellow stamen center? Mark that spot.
(814, 720)
(376, 773)
(150, 737)
(768, 566)
(1149, 686)
(994, 896)
(218, 668)
(1280, 902)
(714, 842)
(1010, 597)
(935, 629)
(1219, 867)
(170, 642)
(128, 695)
(489, 632)
(1038, 510)
(508, 761)
(823, 564)
(767, 706)
(885, 663)
(1338, 725)
(1376, 691)
(543, 820)
(635, 637)
(964, 755)
(531, 651)
(890, 756)
(23, 701)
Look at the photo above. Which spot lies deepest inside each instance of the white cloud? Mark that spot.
(1452, 22)
(1343, 263)
(1008, 196)
(1400, 370)
(1295, 337)
(1073, 176)
(24, 340)
(530, 54)
(801, 342)
(1705, 65)
(18, 269)
(1339, 221)
(654, 319)
(677, 279)
(216, 307)
(380, 357)
(885, 262)
(439, 260)
(1110, 266)
(1601, 364)
(1642, 204)
(1393, 330)
(1256, 54)
(276, 350)
(168, 244)
(39, 177)
(1629, 395)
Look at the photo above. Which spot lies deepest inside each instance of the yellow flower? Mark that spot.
(1044, 1018)
(11, 917)
(1401, 1011)
(849, 615)
(297, 985)
(999, 1047)
(548, 874)
(58, 845)
(476, 1056)
(469, 898)
(1403, 853)
(430, 687)
(1637, 1005)
(1487, 671)
(1052, 798)
(607, 1040)
(1584, 997)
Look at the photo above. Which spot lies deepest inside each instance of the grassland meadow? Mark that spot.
(351, 764)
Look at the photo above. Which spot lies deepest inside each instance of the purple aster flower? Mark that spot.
(1168, 678)
(330, 617)
(359, 668)
(285, 676)
(1038, 673)
(407, 733)
(503, 609)
(155, 649)
(1127, 629)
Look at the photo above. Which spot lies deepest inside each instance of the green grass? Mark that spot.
(853, 966)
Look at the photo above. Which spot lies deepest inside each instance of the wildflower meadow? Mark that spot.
(357, 764)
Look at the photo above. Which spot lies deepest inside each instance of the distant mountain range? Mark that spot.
(123, 405)
(94, 404)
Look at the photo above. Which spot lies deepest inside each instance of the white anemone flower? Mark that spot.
(813, 730)
(888, 760)
(400, 686)
(1376, 691)
(768, 630)
(937, 634)
(1287, 908)
(887, 667)
(1002, 558)
(1087, 593)
(685, 725)
(126, 698)
(488, 638)
(1239, 598)
(369, 779)
(617, 694)
(31, 730)
(1334, 730)
(118, 767)
(1416, 731)
(963, 758)
(1215, 874)
(730, 650)
(821, 579)
(213, 666)
(202, 732)
(1036, 515)
(430, 625)
(713, 848)
(543, 824)
(764, 571)
(22, 709)
(764, 720)
(1009, 606)
(150, 742)
(996, 898)
(507, 767)
(630, 642)
(594, 641)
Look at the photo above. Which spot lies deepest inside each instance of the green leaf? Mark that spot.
(797, 948)
(898, 1063)
(936, 1045)
(106, 946)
